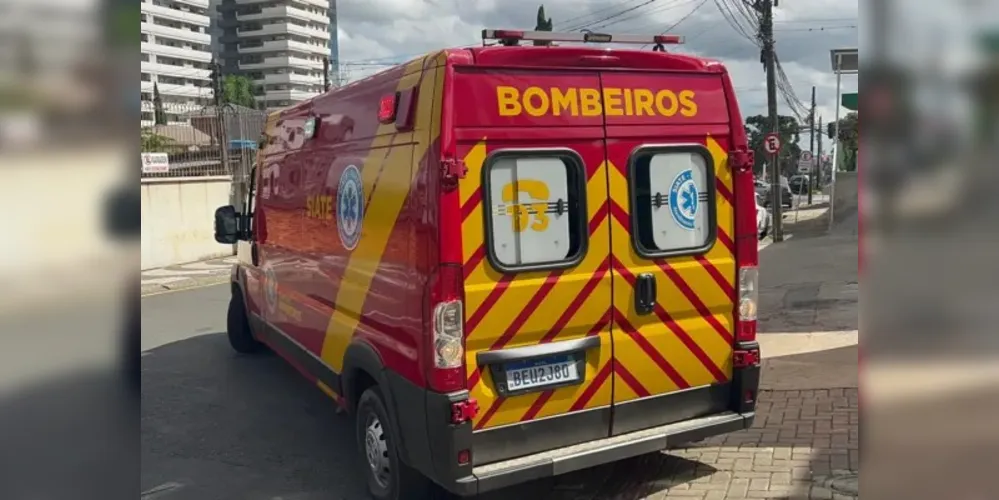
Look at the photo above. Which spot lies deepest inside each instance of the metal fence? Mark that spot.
(200, 141)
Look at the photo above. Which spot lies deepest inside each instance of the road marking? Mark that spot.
(161, 490)
(186, 289)
(185, 272)
(163, 281)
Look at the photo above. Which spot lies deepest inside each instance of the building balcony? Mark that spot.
(284, 46)
(175, 15)
(284, 29)
(175, 33)
(289, 79)
(284, 12)
(282, 62)
(204, 4)
(177, 52)
(175, 71)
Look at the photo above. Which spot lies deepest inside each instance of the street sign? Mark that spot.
(155, 163)
(805, 162)
(771, 143)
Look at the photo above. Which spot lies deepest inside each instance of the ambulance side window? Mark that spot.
(535, 209)
(672, 200)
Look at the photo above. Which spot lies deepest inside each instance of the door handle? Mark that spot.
(645, 293)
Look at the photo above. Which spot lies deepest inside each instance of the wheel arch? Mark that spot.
(362, 368)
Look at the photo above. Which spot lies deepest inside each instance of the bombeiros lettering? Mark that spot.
(555, 101)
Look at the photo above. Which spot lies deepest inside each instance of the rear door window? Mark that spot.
(537, 209)
(673, 200)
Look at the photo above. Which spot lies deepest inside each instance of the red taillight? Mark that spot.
(447, 331)
(746, 249)
(464, 457)
(386, 109)
(746, 303)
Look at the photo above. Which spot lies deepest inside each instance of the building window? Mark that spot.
(672, 200)
(535, 216)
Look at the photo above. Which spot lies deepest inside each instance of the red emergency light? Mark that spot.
(386, 109)
(511, 37)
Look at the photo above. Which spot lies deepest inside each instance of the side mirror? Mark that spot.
(226, 225)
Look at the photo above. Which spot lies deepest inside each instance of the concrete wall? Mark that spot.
(178, 220)
(845, 201)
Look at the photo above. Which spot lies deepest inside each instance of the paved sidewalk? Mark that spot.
(804, 443)
(190, 275)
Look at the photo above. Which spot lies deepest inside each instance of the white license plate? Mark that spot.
(540, 373)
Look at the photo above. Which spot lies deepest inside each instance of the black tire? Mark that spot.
(238, 328)
(398, 481)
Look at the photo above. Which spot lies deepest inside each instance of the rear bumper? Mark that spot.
(556, 462)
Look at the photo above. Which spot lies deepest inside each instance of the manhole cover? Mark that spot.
(842, 482)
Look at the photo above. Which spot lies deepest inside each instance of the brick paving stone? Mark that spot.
(798, 438)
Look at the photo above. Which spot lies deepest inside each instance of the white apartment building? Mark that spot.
(176, 57)
(279, 44)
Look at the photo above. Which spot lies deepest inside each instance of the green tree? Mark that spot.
(849, 139)
(159, 115)
(238, 90)
(151, 142)
(759, 126)
(543, 24)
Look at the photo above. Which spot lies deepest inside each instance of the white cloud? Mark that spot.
(374, 33)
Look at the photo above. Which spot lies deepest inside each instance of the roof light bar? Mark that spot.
(589, 37)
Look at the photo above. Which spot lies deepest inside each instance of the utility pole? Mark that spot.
(811, 147)
(818, 157)
(766, 36)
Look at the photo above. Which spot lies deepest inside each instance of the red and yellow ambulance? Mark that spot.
(509, 262)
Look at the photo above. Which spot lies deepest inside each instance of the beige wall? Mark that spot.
(845, 202)
(178, 218)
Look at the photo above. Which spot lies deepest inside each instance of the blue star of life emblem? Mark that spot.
(350, 207)
(684, 199)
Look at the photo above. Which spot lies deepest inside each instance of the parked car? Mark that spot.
(762, 218)
(799, 184)
(763, 190)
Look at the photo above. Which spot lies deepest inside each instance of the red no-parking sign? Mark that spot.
(771, 143)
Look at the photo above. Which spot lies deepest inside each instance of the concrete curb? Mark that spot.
(184, 283)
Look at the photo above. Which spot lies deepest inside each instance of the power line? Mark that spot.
(818, 20)
(820, 28)
(682, 19)
(732, 21)
(612, 16)
(595, 13)
(646, 14)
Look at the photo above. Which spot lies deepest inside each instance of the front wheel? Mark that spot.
(238, 328)
(387, 477)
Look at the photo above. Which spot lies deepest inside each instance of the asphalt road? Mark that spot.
(218, 426)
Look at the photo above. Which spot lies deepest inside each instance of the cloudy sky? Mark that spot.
(374, 33)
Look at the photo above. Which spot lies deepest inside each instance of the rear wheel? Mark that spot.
(238, 328)
(388, 478)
